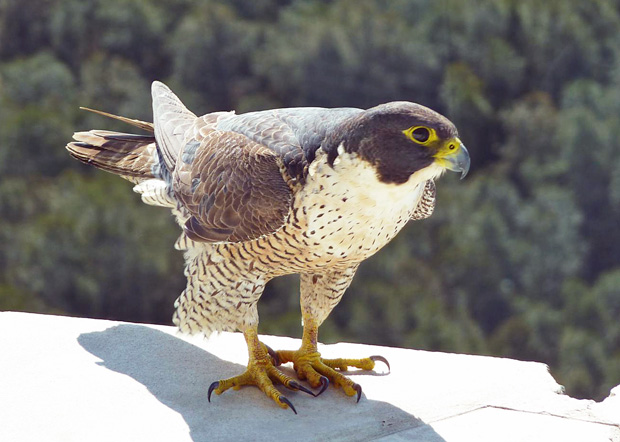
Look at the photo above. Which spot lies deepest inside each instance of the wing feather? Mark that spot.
(426, 206)
(172, 120)
(294, 134)
(232, 187)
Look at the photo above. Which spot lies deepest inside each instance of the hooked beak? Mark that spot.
(458, 161)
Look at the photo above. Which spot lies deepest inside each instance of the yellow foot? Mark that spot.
(262, 373)
(320, 372)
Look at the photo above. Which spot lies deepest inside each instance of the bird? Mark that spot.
(308, 190)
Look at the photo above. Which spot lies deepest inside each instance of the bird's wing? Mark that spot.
(233, 177)
(294, 134)
(172, 121)
(232, 172)
(426, 206)
(233, 188)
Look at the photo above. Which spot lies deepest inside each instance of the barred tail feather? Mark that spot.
(133, 157)
(123, 154)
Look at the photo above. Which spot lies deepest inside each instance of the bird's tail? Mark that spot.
(131, 156)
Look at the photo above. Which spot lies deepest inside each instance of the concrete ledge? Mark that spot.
(72, 379)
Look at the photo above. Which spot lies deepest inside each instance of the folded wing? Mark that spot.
(233, 187)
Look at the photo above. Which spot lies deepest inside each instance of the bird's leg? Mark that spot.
(319, 294)
(261, 372)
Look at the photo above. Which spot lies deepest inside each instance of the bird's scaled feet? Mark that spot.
(262, 373)
(321, 372)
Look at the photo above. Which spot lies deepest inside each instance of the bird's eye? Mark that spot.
(421, 134)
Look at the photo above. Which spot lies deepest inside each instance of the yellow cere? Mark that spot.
(449, 148)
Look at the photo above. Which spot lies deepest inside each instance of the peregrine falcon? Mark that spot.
(312, 191)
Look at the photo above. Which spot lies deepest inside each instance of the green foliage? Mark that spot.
(522, 259)
(212, 50)
(354, 53)
(37, 103)
(90, 247)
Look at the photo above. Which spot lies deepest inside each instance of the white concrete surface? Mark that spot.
(72, 379)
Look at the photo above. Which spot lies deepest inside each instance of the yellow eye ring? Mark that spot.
(421, 135)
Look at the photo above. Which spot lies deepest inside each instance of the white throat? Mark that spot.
(350, 210)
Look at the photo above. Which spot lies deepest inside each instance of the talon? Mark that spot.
(300, 387)
(212, 387)
(358, 388)
(324, 385)
(382, 359)
(273, 354)
(287, 402)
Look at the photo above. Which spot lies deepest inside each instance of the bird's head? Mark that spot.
(402, 138)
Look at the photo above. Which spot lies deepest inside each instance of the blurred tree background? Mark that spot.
(522, 259)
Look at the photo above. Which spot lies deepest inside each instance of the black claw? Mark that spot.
(294, 385)
(324, 385)
(212, 387)
(382, 359)
(358, 388)
(287, 402)
(273, 354)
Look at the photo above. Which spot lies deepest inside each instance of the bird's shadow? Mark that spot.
(178, 374)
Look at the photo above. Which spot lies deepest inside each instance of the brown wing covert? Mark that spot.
(233, 188)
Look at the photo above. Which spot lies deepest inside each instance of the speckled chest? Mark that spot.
(348, 213)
